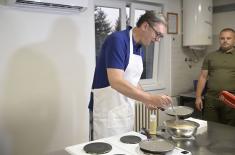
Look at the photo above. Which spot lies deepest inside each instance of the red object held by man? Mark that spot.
(227, 98)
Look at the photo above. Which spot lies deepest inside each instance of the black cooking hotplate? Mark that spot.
(97, 148)
(130, 139)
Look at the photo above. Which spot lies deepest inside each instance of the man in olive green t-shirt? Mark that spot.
(218, 70)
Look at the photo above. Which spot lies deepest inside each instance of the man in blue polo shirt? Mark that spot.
(118, 71)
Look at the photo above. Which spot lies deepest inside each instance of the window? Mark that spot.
(113, 16)
(107, 20)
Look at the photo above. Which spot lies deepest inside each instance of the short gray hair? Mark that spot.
(152, 17)
(227, 29)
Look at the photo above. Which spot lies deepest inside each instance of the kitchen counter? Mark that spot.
(119, 148)
(218, 139)
(211, 139)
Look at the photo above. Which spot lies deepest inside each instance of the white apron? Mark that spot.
(113, 113)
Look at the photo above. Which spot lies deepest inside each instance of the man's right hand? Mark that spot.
(159, 101)
(199, 104)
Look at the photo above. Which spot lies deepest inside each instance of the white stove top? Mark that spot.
(121, 148)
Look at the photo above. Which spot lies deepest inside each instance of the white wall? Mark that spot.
(222, 2)
(46, 67)
(223, 20)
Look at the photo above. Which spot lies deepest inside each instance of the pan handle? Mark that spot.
(145, 132)
(162, 109)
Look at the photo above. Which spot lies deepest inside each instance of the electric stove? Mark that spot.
(120, 148)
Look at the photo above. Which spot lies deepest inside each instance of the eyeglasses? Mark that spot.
(157, 34)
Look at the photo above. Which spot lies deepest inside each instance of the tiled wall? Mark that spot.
(182, 74)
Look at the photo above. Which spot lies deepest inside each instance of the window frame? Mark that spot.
(114, 4)
(156, 82)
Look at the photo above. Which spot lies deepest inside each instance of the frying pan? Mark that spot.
(180, 111)
(155, 146)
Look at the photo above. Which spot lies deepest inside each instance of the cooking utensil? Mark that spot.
(145, 132)
(181, 128)
(155, 146)
(97, 148)
(179, 111)
(130, 139)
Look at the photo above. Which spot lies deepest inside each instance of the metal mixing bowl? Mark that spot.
(181, 128)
